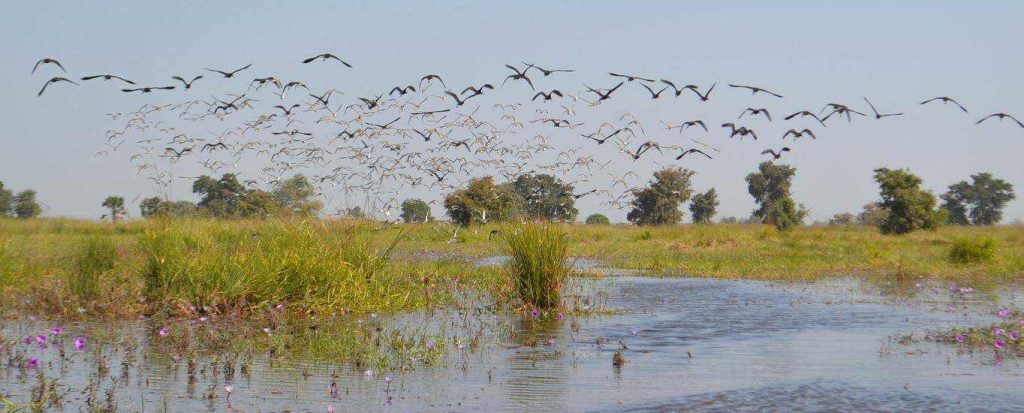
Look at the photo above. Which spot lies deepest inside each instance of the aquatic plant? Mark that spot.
(538, 262)
(96, 257)
(972, 250)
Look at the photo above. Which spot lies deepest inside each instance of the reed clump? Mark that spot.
(538, 262)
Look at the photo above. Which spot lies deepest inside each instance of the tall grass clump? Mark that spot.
(266, 264)
(972, 250)
(95, 257)
(538, 263)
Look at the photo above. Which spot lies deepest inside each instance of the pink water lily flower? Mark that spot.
(998, 332)
(999, 343)
(960, 338)
(1014, 335)
(32, 363)
(1004, 313)
(57, 330)
(163, 332)
(80, 343)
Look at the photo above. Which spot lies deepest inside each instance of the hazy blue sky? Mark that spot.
(895, 53)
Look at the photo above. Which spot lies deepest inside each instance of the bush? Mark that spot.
(972, 250)
(538, 262)
(597, 219)
(96, 257)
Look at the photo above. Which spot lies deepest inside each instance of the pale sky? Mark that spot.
(895, 53)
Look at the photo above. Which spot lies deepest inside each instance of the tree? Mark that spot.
(116, 206)
(658, 204)
(872, 215)
(415, 210)
(25, 204)
(546, 197)
(842, 219)
(482, 201)
(704, 206)
(150, 207)
(597, 219)
(154, 207)
(770, 187)
(979, 202)
(908, 207)
(6, 201)
(294, 195)
(354, 213)
(227, 198)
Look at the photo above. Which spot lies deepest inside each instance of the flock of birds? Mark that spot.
(425, 133)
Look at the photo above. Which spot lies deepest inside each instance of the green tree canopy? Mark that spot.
(597, 219)
(872, 215)
(908, 207)
(704, 206)
(979, 202)
(154, 207)
(546, 197)
(26, 205)
(295, 196)
(6, 201)
(415, 210)
(482, 201)
(658, 204)
(770, 187)
(842, 219)
(116, 206)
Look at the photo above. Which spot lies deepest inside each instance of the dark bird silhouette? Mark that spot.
(804, 113)
(799, 133)
(840, 110)
(50, 61)
(546, 72)
(547, 96)
(287, 111)
(385, 126)
(742, 130)
(607, 94)
(518, 76)
(212, 146)
(583, 194)
(947, 99)
(775, 155)
(1001, 116)
(704, 97)
(477, 90)
(260, 81)
(676, 90)
(178, 153)
(756, 112)
(599, 141)
(292, 132)
(324, 57)
(458, 101)
(695, 122)
(54, 80)
(692, 150)
(630, 78)
(228, 75)
(432, 77)
(370, 104)
(108, 77)
(654, 95)
(324, 98)
(425, 136)
(755, 90)
(147, 89)
(643, 148)
(880, 115)
(188, 84)
(401, 90)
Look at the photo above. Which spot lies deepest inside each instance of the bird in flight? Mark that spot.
(325, 56)
(54, 80)
(401, 90)
(880, 115)
(108, 77)
(947, 99)
(704, 97)
(50, 61)
(147, 89)
(799, 133)
(432, 77)
(643, 148)
(654, 95)
(804, 113)
(754, 90)
(547, 96)
(228, 75)
(188, 84)
(518, 76)
(775, 155)
(630, 78)
(477, 90)
(756, 112)
(1001, 116)
(607, 94)
(287, 111)
(692, 150)
(546, 72)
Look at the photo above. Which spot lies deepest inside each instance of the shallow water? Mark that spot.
(693, 345)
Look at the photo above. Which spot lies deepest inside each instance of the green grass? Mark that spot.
(538, 262)
(972, 250)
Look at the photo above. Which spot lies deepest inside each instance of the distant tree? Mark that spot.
(909, 208)
(116, 206)
(597, 219)
(219, 197)
(658, 204)
(415, 210)
(546, 197)
(729, 220)
(25, 204)
(295, 196)
(154, 207)
(979, 202)
(872, 215)
(355, 213)
(150, 207)
(258, 204)
(482, 201)
(6, 201)
(704, 206)
(842, 219)
(770, 187)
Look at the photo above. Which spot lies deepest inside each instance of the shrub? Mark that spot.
(598, 219)
(972, 250)
(96, 257)
(538, 262)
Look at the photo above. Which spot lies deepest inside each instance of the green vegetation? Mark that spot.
(116, 206)
(6, 201)
(545, 197)
(97, 257)
(415, 210)
(972, 250)
(908, 207)
(704, 207)
(979, 202)
(26, 205)
(597, 219)
(483, 201)
(658, 204)
(770, 187)
(538, 261)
